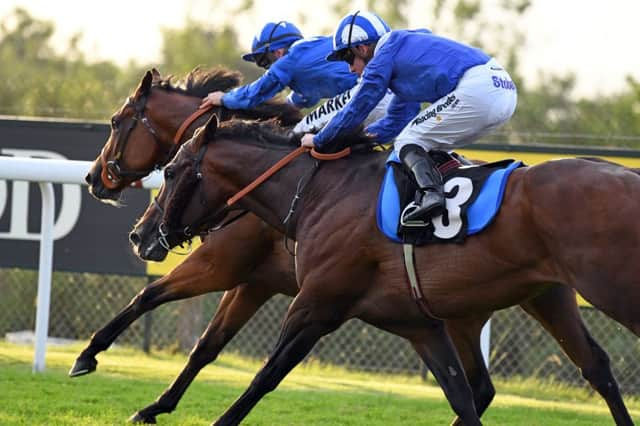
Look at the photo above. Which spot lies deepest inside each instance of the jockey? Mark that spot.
(468, 92)
(289, 60)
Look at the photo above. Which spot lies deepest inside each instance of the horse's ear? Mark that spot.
(144, 88)
(211, 127)
(155, 74)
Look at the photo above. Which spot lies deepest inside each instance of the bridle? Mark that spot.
(113, 173)
(188, 232)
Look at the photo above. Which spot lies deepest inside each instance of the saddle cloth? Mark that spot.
(473, 197)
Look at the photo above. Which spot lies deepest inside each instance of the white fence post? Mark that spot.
(45, 269)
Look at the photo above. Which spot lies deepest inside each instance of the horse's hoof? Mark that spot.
(83, 366)
(140, 418)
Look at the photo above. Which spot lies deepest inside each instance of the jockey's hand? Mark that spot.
(307, 140)
(213, 99)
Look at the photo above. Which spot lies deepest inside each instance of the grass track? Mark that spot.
(127, 380)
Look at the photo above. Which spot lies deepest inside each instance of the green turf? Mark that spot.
(128, 380)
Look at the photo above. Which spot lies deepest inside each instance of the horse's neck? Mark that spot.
(172, 111)
(185, 109)
(272, 200)
(353, 180)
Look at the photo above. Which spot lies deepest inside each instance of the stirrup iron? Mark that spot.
(410, 208)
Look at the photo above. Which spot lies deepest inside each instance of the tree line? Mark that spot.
(36, 80)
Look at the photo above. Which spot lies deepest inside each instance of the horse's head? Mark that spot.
(144, 128)
(137, 143)
(186, 205)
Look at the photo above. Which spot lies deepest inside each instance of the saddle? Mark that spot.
(473, 196)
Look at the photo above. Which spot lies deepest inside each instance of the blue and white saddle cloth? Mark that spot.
(473, 197)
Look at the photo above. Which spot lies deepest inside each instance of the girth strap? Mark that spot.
(414, 283)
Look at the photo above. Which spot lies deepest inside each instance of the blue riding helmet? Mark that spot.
(273, 36)
(357, 28)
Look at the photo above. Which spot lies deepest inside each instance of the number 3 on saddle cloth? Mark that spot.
(473, 197)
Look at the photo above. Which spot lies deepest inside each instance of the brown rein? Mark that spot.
(283, 162)
(189, 121)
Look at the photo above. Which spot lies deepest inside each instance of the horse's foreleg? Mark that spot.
(556, 309)
(436, 349)
(192, 277)
(302, 328)
(465, 334)
(236, 308)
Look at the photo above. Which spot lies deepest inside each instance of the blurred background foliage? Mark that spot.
(36, 80)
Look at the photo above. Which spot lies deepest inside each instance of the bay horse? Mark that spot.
(162, 107)
(563, 223)
(248, 260)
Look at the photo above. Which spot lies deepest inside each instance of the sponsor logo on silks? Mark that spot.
(503, 82)
(451, 101)
(332, 105)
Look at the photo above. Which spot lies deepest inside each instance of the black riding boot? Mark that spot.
(461, 158)
(430, 196)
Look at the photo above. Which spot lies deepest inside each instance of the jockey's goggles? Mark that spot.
(264, 60)
(346, 55)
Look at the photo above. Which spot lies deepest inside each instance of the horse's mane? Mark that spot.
(263, 133)
(200, 83)
(270, 134)
(285, 113)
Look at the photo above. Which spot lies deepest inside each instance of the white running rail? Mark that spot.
(46, 172)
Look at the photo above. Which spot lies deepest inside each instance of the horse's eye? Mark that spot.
(168, 173)
(114, 123)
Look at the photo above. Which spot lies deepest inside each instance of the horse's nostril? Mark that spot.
(87, 178)
(134, 238)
